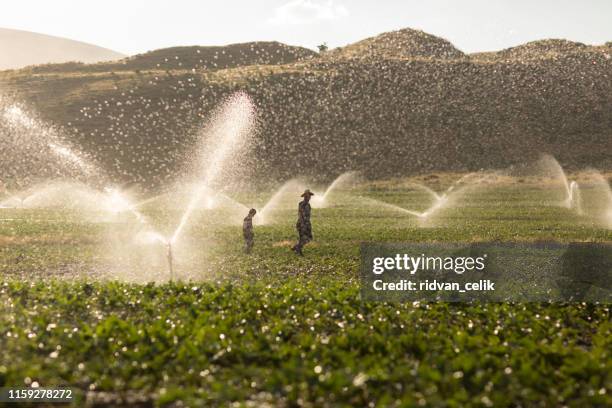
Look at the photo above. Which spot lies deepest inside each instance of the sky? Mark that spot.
(136, 26)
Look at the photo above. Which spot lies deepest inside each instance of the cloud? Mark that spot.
(307, 11)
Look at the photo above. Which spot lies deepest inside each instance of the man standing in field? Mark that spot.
(303, 226)
(247, 231)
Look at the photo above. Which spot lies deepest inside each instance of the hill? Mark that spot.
(542, 49)
(386, 115)
(405, 43)
(22, 48)
(195, 57)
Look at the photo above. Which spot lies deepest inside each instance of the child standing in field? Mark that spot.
(247, 231)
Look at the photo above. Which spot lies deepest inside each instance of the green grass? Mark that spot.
(272, 328)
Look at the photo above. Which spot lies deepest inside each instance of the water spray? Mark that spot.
(440, 201)
(18, 200)
(291, 185)
(321, 199)
(574, 200)
(223, 140)
(230, 128)
(170, 260)
(152, 237)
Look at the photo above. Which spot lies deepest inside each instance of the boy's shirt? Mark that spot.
(247, 225)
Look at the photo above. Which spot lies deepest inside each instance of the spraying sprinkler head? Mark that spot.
(170, 260)
(153, 237)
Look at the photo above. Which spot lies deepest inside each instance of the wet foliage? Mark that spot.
(308, 341)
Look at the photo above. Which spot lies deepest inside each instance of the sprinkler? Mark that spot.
(169, 258)
(153, 237)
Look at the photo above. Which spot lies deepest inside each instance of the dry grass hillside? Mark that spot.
(402, 44)
(401, 103)
(194, 57)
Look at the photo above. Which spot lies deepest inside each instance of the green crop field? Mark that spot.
(272, 329)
